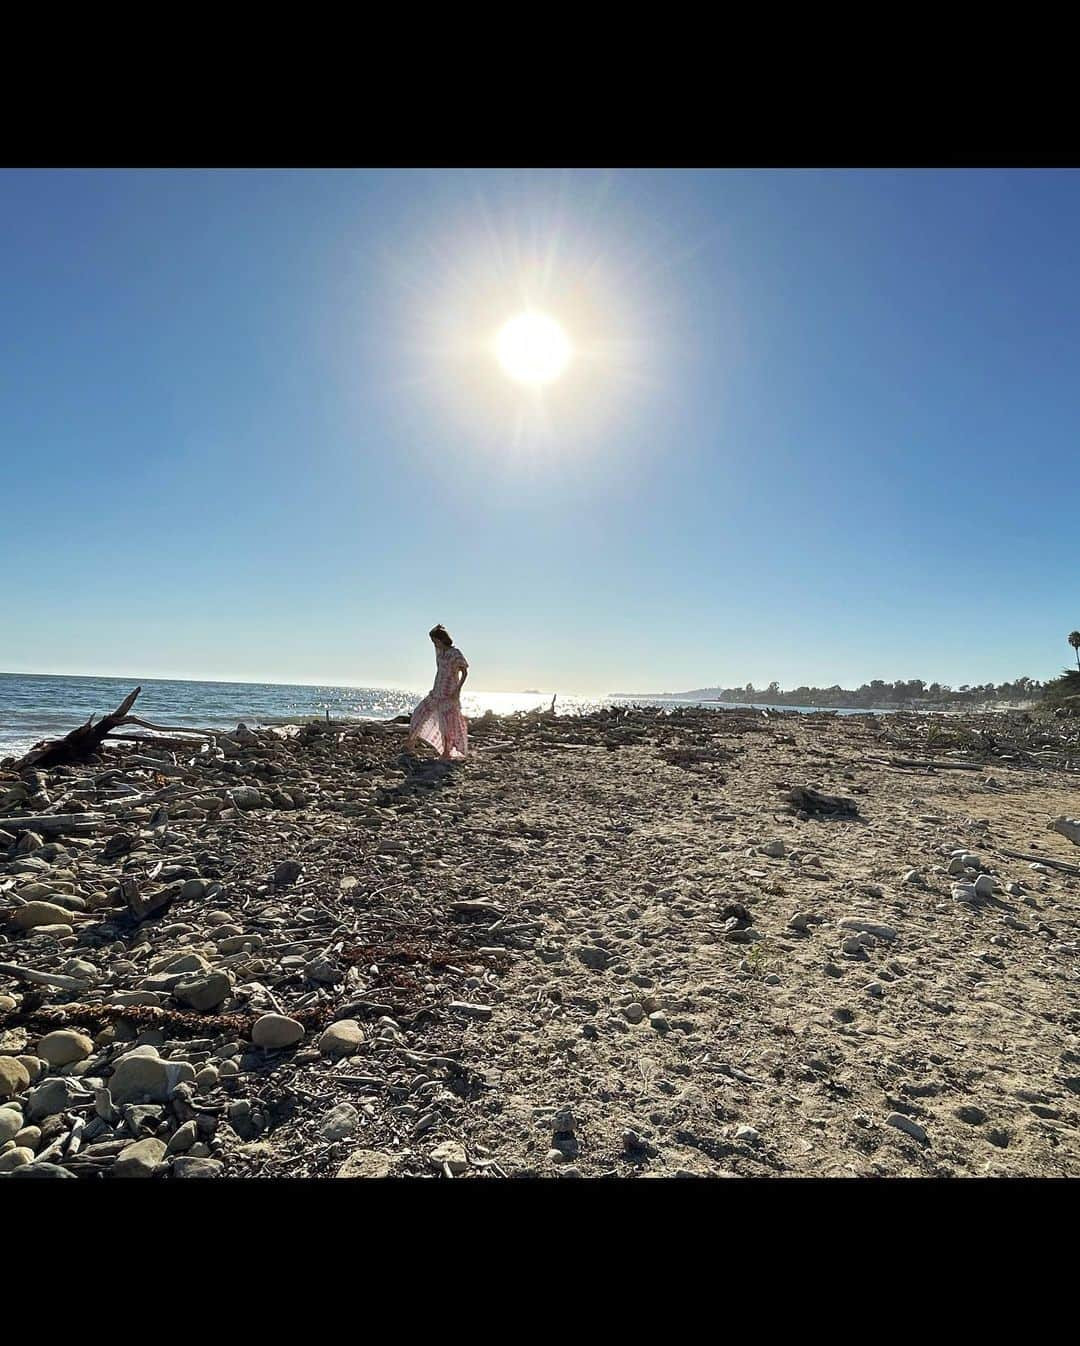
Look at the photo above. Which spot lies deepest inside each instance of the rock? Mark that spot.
(204, 993)
(140, 1159)
(11, 1123)
(343, 1038)
(206, 1079)
(852, 946)
(914, 878)
(747, 1134)
(245, 797)
(339, 1122)
(275, 1031)
(452, 1154)
(800, 921)
(563, 1123)
(658, 1020)
(194, 1166)
(879, 931)
(972, 1115)
(1068, 828)
(39, 913)
(593, 957)
(366, 1164)
(772, 979)
(955, 865)
(64, 1047)
(29, 1137)
(964, 892)
(194, 888)
(776, 849)
(905, 1124)
(14, 1077)
(138, 1077)
(287, 872)
(985, 886)
(7, 1004)
(35, 1067)
(874, 988)
(15, 1158)
(38, 1169)
(183, 1138)
(55, 1095)
(634, 1012)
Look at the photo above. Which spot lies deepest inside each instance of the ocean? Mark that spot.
(34, 706)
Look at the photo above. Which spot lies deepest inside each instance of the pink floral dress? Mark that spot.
(438, 719)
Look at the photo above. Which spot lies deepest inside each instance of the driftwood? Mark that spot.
(808, 799)
(44, 978)
(1040, 860)
(937, 764)
(81, 743)
(54, 822)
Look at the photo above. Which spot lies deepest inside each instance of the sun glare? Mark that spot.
(533, 348)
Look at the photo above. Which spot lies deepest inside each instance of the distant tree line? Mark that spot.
(913, 692)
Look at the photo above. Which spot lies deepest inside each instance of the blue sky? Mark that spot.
(820, 426)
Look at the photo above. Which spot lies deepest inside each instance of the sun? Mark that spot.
(533, 348)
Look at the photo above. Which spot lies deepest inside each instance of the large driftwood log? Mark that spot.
(81, 743)
(805, 797)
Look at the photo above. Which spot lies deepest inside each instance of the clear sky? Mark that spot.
(817, 426)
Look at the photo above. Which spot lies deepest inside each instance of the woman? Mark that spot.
(438, 719)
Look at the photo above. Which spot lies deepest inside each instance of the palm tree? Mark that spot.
(1074, 641)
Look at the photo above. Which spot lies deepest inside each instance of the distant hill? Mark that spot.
(914, 692)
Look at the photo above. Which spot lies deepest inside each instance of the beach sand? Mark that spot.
(575, 953)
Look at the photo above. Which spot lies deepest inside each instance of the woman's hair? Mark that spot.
(440, 635)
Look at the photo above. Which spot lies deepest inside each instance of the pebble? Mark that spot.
(15, 1158)
(874, 988)
(339, 1122)
(634, 1012)
(182, 1138)
(772, 979)
(195, 1166)
(64, 1047)
(204, 993)
(140, 1076)
(451, 1153)
(139, 1159)
(593, 956)
(905, 1124)
(29, 1137)
(366, 1164)
(775, 848)
(879, 931)
(275, 1031)
(206, 1079)
(10, 1125)
(800, 921)
(55, 1095)
(972, 1115)
(8, 1003)
(14, 1077)
(985, 886)
(343, 1038)
(747, 1134)
(658, 1020)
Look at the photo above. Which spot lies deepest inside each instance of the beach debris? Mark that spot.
(810, 800)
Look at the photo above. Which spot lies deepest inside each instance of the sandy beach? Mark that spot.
(603, 945)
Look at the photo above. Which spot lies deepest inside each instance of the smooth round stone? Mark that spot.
(274, 1031)
(14, 1077)
(228, 1068)
(36, 914)
(140, 1159)
(29, 1137)
(7, 1004)
(634, 1012)
(64, 1047)
(15, 1158)
(195, 1166)
(11, 1124)
(206, 1079)
(344, 1038)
